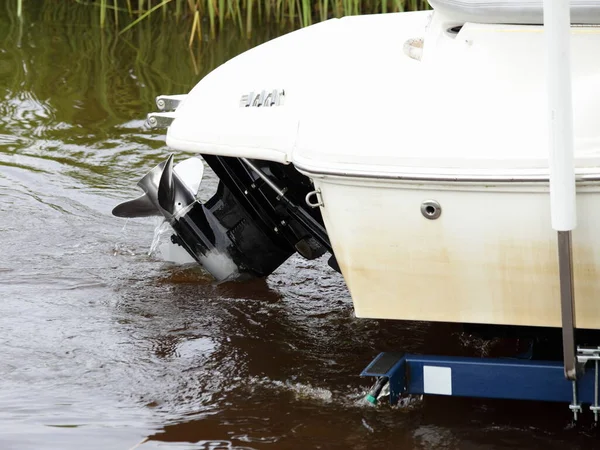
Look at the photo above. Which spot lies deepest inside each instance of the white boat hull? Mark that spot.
(491, 257)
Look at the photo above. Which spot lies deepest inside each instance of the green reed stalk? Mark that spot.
(102, 13)
(116, 10)
(300, 16)
(324, 10)
(177, 10)
(19, 8)
(249, 18)
(221, 13)
(278, 12)
(307, 12)
(196, 28)
(291, 12)
(240, 20)
(211, 17)
(143, 16)
(259, 12)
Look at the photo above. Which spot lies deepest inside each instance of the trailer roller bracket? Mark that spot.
(500, 378)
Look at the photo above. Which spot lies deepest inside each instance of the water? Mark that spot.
(107, 347)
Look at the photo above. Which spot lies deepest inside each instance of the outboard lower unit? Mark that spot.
(249, 227)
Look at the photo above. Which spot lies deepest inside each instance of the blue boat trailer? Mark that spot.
(500, 378)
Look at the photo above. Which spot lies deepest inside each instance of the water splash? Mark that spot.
(301, 391)
(163, 227)
(217, 263)
(220, 265)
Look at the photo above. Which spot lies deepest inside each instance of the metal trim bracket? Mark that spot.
(169, 102)
(160, 120)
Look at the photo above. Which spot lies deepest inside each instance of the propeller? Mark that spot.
(167, 190)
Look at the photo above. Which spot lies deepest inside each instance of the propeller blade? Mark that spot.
(173, 194)
(142, 206)
(191, 171)
(145, 205)
(166, 190)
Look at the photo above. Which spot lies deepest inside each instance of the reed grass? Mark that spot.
(245, 14)
(103, 7)
(144, 15)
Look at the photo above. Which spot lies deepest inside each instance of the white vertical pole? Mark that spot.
(557, 28)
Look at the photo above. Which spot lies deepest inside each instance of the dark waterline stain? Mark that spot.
(105, 346)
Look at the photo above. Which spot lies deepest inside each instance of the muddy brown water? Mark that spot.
(105, 346)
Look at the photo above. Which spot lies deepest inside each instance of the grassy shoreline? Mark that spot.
(204, 19)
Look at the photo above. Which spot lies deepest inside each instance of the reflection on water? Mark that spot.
(105, 346)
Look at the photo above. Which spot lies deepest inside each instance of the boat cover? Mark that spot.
(513, 11)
